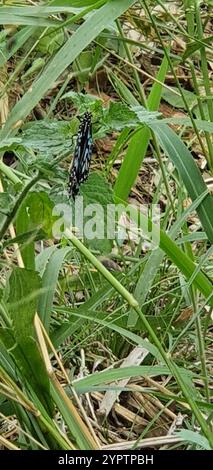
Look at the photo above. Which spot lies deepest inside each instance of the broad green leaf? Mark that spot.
(177, 101)
(35, 213)
(121, 116)
(39, 208)
(50, 138)
(24, 290)
(81, 99)
(51, 42)
(97, 192)
(43, 258)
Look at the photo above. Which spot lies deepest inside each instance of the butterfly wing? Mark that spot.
(86, 145)
(82, 156)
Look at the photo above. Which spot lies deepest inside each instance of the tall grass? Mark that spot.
(59, 298)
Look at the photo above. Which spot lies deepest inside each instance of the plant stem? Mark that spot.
(101, 268)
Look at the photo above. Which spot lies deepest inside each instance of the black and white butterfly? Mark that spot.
(79, 170)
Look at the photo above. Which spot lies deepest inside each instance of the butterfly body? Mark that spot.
(82, 155)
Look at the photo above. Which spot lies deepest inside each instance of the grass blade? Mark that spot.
(192, 179)
(83, 36)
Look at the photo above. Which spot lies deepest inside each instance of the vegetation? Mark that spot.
(106, 342)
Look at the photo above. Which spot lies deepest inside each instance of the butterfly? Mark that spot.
(79, 170)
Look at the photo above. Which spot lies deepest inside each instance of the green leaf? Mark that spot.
(10, 144)
(82, 100)
(15, 43)
(121, 116)
(96, 191)
(85, 60)
(130, 167)
(5, 203)
(39, 208)
(121, 89)
(81, 3)
(49, 138)
(24, 291)
(51, 42)
(194, 46)
(189, 172)
(22, 16)
(75, 428)
(37, 65)
(177, 101)
(206, 126)
(88, 383)
(43, 258)
(25, 238)
(194, 437)
(205, 111)
(35, 213)
(49, 282)
(6, 361)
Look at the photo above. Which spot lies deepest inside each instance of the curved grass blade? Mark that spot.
(83, 36)
(189, 172)
(139, 142)
(49, 282)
